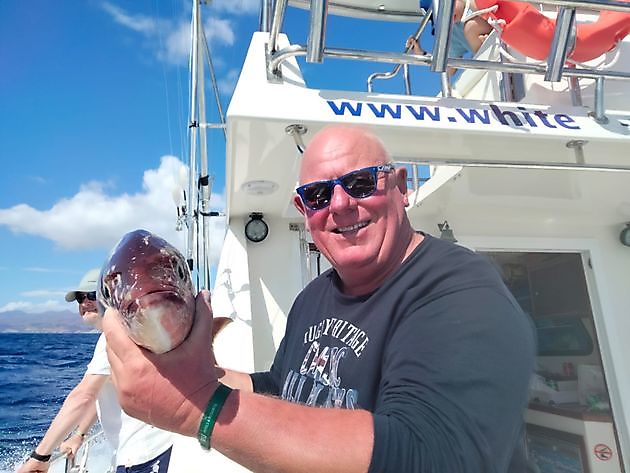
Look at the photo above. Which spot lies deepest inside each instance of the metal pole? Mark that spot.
(276, 24)
(406, 79)
(299, 50)
(445, 82)
(215, 87)
(563, 41)
(597, 5)
(204, 182)
(600, 112)
(574, 89)
(264, 23)
(192, 132)
(562, 166)
(317, 31)
(442, 42)
(394, 71)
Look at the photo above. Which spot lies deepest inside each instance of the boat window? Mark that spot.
(551, 288)
(546, 285)
(417, 174)
(562, 336)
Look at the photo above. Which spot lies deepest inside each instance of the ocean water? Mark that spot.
(37, 371)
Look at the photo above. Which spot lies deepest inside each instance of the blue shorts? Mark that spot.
(158, 465)
(459, 45)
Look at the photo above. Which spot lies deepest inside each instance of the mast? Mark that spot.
(193, 125)
(199, 181)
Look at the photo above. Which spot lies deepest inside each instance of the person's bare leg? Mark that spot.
(476, 30)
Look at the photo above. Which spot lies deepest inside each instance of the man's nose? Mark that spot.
(341, 200)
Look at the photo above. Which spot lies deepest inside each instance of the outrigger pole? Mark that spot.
(199, 181)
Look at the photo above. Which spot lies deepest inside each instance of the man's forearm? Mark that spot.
(235, 379)
(87, 421)
(271, 435)
(68, 417)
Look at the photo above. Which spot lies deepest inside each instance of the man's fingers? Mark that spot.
(120, 347)
(117, 339)
(202, 328)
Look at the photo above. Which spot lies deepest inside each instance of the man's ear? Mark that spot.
(401, 183)
(299, 205)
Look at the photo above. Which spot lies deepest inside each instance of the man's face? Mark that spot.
(356, 235)
(87, 307)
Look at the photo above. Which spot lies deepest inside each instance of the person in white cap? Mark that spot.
(138, 447)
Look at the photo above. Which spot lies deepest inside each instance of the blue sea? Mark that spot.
(37, 371)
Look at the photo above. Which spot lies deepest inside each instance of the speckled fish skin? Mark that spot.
(147, 280)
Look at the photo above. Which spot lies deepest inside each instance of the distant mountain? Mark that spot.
(58, 321)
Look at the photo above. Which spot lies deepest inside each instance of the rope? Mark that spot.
(476, 13)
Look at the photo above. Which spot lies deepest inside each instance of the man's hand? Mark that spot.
(70, 446)
(168, 390)
(414, 45)
(33, 466)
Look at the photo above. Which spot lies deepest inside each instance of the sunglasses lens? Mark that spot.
(359, 184)
(81, 296)
(317, 195)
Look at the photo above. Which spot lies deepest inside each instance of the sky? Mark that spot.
(93, 124)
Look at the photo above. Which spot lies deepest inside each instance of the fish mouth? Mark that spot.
(135, 305)
(159, 320)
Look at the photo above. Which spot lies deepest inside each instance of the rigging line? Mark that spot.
(213, 78)
(165, 76)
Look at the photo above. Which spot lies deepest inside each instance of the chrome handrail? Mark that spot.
(439, 60)
(397, 67)
(394, 58)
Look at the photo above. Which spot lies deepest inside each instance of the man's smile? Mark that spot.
(351, 228)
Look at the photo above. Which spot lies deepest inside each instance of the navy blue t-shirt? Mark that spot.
(441, 354)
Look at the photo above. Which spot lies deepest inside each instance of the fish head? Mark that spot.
(148, 282)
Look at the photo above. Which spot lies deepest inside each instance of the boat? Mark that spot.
(524, 160)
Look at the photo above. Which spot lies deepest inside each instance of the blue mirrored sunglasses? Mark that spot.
(358, 184)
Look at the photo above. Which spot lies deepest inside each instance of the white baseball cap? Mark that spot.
(87, 284)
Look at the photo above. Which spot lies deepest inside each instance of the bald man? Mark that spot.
(409, 355)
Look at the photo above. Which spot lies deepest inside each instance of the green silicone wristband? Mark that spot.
(211, 414)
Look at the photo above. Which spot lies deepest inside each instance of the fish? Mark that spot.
(147, 280)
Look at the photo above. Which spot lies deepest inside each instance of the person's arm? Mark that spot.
(71, 445)
(235, 379)
(80, 399)
(262, 433)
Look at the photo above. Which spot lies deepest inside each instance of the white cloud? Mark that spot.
(228, 82)
(140, 23)
(42, 293)
(35, 307)
(219, 31)
(176, 45)
(170, 39)
(35, 269)
(105, 218)
(237, 6)
(176, 40)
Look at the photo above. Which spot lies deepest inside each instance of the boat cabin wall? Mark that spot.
(605, 262)
(255, 286)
